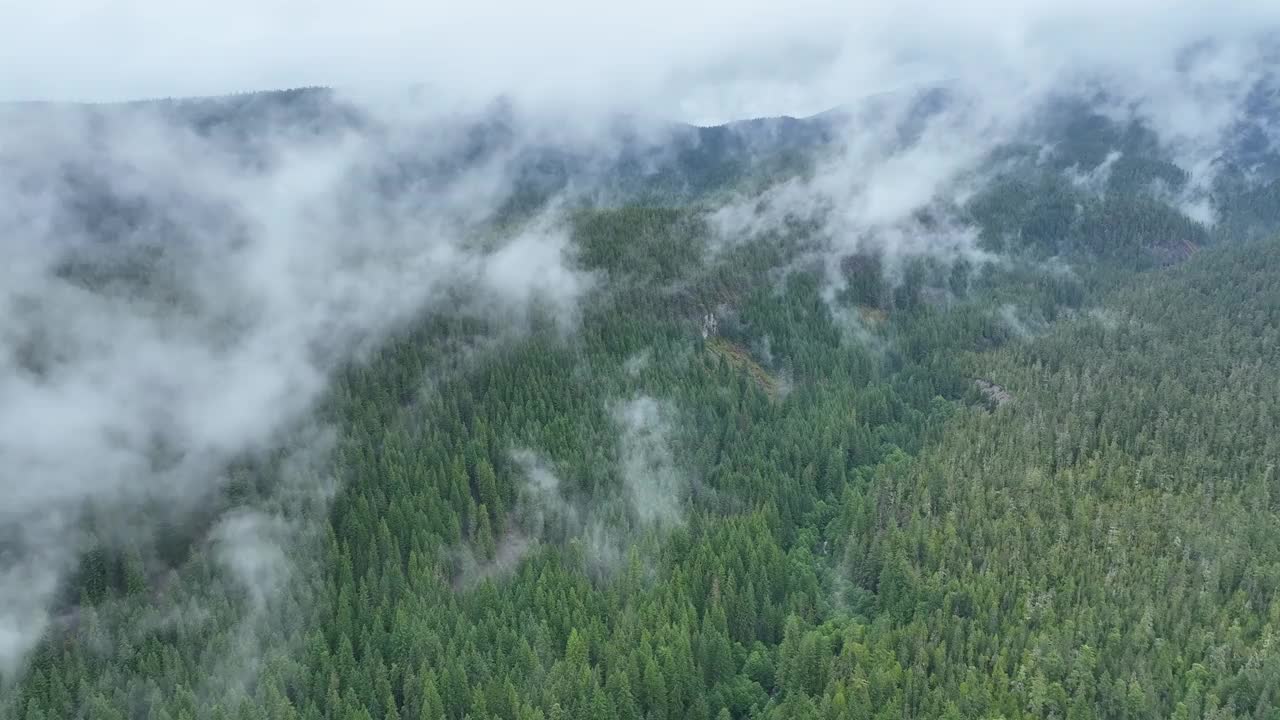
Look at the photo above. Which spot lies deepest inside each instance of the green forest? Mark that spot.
(945, 489)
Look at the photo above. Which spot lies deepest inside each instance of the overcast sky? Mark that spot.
(698, 61)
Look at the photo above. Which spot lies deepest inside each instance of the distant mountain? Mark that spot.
(629, 162)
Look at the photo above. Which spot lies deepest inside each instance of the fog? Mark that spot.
(269, 262)
(704, 62)
(189, 310)
(902, 166)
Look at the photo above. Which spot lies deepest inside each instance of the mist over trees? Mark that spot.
(953, 402)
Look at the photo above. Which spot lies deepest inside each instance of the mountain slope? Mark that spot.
(1105, 544)
(771, 474)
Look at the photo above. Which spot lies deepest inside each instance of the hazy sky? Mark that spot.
(698, 61)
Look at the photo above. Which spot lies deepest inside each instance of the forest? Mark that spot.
(760, 481)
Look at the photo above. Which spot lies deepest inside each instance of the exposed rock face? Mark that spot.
(996, 395)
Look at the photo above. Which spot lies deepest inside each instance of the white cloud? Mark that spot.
(271, 275)
(293, 263)
(705, 61)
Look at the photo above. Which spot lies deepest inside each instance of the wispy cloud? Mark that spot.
(172, 305)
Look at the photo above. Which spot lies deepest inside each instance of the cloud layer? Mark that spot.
(708, 61)
(170, 305)
(253, 267)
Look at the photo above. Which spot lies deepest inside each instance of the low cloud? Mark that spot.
(656, 488)
(177, 293)
(899, 169)
(652, 496)
(174, 304)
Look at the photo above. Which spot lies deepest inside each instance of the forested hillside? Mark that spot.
(731, 495)
(1009, 454)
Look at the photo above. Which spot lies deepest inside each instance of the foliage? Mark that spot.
(859, 534)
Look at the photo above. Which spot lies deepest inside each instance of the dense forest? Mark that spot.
(753, 482)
